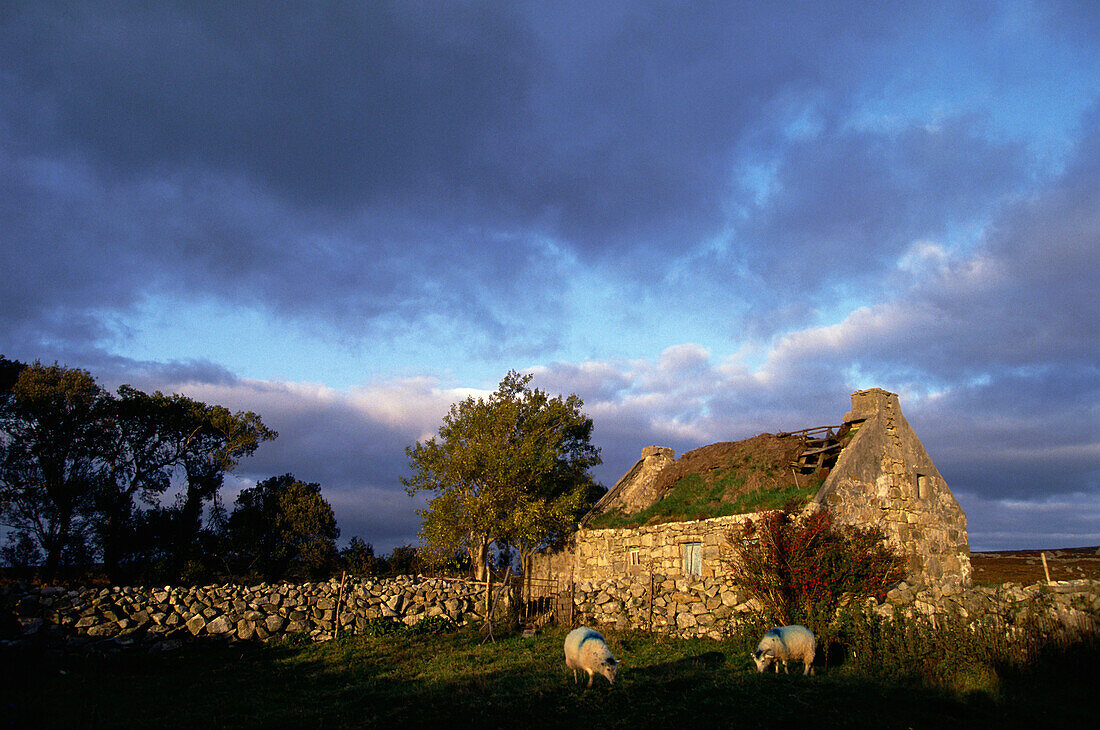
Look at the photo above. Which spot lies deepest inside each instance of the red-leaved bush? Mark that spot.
(799, 566)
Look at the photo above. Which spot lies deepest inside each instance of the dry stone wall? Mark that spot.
(157, 615)
(713, 607)
(684, 606)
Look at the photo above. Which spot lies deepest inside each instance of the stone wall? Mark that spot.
(637, 489)
(712, 607)
(169, 614)
(635, 551)
(885, 478)
(676, 605)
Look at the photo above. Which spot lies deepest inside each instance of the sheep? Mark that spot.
(783, 643)
(586, 650)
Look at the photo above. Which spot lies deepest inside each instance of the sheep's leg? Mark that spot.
(591, 676)
(574, 676)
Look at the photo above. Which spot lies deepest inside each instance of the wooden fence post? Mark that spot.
(572, 604)
(651, 602)
(339, 600)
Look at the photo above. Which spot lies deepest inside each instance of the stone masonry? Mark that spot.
(233, 612)
(636, 490)
(883, 477)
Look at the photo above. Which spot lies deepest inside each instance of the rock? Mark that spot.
(274, 624)
(245, 629)
(220, 625)
(686, 620)
(30, 625)
(195, 624)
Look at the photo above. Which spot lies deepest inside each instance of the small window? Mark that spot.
(635, 556)
(693, 558)
(924, 486)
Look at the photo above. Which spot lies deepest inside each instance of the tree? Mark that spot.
(358, 558)
(9, 373)
(209, 441)
(510, 468)
(140, 454)
(282, 525)
(54, 423)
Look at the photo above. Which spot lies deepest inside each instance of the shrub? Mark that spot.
(434, 625)
(382, 626)
(800, 566)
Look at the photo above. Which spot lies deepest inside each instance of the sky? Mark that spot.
(708, 220)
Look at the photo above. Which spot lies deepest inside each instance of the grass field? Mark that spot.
(455, 681)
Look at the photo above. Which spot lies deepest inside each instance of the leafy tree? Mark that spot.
(511, 468)
(54, 424)
(282, 525)
(358, 558)
(210, 441)
(75, 460)
(800, 566)
(9, 373)
(21, 553)
(140, 454)
(404, 560)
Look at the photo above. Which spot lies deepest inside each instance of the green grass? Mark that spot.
(454, 681)
(765, 499)
(692, 498)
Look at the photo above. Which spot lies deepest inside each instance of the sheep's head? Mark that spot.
(609, 668)
(762, 660)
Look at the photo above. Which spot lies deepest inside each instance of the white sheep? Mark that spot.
(586, 650)
(783, 643)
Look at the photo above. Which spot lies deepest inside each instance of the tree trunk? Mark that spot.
(479, 556)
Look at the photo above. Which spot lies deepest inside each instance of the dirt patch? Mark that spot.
(1026, 566)
(759, 463)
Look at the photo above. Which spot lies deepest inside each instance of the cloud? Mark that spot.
(708, 222)
(388, 167)
(1068, 520)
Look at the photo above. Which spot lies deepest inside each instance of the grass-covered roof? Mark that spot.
(725, 478)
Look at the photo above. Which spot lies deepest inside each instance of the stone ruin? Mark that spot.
(876, 473)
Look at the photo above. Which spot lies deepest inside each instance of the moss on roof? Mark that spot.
(726, 478)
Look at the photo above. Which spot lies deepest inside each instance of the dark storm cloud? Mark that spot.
(326, 102)
(378, 164)
(1021, 304)
(844, 206)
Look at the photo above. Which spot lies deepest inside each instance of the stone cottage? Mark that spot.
(869, 470)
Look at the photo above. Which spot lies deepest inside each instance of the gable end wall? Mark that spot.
(875, 482)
